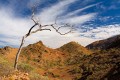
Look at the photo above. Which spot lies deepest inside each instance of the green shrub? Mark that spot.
(24, 67)
(5, 69)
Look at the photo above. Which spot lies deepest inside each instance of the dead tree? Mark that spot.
(55, 26)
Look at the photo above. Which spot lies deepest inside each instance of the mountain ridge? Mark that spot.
(74, 47)
(69, 62)
(112, 42)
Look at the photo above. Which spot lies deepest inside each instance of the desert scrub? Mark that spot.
(78, 77)
(24, 67)
(76, 70)
(51, 74)
(46, 64)
(36, 76)
(5, 67)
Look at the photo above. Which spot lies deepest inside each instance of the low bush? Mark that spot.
(24, 67)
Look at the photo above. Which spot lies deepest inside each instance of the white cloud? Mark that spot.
(80, 19)
(13, 28)
(49, 14)
(80, 10)
(2, 44)
(56, 41)
(103, 32)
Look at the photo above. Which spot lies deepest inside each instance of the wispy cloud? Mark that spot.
(80, 19)
(12, 28)
(102, 32)
(11, 24)
(49, 14)
(80, 10)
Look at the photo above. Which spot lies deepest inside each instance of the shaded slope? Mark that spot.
(101, 65)
(114, 73)
(113, 42)
(75, 52)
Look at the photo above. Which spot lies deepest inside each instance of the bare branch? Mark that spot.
(33, 15)
(46, 29)
(57, 30)
(64, 33)
(30, 30)
(47, 25)
(33, 18)
(41, 28)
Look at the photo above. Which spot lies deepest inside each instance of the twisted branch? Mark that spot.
(41, 28)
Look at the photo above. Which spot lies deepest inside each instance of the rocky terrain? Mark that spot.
(98, 61)
(108, 43)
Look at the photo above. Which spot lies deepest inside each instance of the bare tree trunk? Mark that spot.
(18, 53)
(41, 28)
(21, 45)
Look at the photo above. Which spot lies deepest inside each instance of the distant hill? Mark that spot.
(74, 48)
(5, 50)
(112, 42)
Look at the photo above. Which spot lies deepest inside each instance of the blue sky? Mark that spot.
(94, 19)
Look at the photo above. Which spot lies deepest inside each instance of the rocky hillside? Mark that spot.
(69, 62)
(112, 42)
(74, 51)
(43, 56)
(74, 48)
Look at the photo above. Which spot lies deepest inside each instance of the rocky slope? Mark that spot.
(74, 51)
(42, 55)
(74, 48)
(112, 42)
(69, 62)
